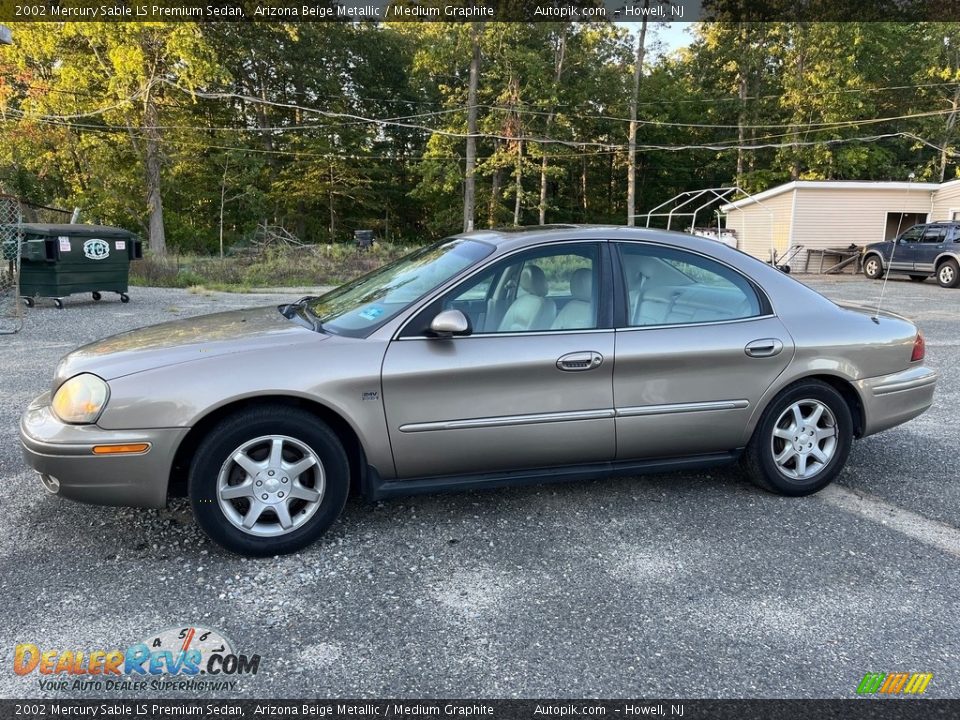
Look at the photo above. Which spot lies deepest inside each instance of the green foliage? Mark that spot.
(277, 267)
(270, 123)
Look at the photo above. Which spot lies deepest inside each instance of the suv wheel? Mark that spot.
(948, 274)
(872, 267)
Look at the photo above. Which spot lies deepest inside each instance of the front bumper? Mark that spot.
(890, 400)
(65, 452)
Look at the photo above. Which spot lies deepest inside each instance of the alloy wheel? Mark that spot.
(271, 485)
(804, 439)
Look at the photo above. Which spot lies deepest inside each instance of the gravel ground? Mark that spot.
(679, 585)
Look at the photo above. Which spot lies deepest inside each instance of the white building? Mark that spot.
(835, 214)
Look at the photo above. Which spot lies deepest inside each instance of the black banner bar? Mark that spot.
(628, 11)
(853, 709)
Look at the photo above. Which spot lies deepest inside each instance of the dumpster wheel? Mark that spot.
(96, 295)
(124, 298)
(59, 303)
(28, 301)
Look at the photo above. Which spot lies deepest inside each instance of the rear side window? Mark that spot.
(665, 286)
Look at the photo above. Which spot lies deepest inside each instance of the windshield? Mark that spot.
(358, 307)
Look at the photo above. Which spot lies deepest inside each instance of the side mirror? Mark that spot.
(449, 323)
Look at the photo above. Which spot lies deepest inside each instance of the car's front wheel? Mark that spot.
(948, 274)
(268, 480)
(802, 440)
(872, 267)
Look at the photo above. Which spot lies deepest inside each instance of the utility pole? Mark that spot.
(470, 175)
(632, 159)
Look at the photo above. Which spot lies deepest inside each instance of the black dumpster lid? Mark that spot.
(76, 230)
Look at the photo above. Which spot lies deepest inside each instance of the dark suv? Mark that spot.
(922, 251)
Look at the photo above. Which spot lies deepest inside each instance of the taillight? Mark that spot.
(919, 348)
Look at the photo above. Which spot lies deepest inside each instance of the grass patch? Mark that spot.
(276, 267)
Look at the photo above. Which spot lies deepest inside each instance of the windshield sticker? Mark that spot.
(372, 312)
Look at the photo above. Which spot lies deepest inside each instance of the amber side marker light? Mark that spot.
(919, 348)
(132, 449)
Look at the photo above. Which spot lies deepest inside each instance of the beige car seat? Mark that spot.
(579, 312)
(533, 311)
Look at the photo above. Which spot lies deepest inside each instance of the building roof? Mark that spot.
(829, 185)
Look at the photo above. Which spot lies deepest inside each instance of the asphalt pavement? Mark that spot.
(679, 585)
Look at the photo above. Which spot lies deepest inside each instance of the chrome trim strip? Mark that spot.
(528, 333)
(914, 384)
(508, 420)
(752, 318)
(670, 409)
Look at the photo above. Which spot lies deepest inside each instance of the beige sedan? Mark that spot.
(487, 359)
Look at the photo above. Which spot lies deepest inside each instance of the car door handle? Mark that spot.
(767, 347)
(585, 360)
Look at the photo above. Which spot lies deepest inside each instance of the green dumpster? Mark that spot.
(60, 260)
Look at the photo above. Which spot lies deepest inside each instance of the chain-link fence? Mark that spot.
(11, 238)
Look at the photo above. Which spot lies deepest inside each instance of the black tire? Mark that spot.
(59, 303)
(124, 298)
(758, 458)
(948, 274)
(96, 296)
(918, 278)
(29, 302)
(227, 437)
(873, 267)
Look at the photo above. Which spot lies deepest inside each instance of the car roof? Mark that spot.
(518, 237)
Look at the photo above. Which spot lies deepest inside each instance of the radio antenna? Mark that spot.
(893, 250)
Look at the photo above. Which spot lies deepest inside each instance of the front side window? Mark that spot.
(666, 286)
(912, 235)
(358, 307)
(554, 288)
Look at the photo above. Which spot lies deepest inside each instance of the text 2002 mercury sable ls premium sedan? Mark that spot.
(491, 358)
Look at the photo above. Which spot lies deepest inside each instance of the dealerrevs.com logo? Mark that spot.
(172, 659)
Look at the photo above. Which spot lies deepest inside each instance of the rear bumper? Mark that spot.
(64, 452)
(890, 400)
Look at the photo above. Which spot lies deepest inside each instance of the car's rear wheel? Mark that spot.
(268, 480)
(948, 274)
(802, 441)
(873, 267)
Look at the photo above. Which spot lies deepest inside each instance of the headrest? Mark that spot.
(533, 281)
(581, 284)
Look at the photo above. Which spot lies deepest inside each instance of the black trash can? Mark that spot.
(61, 260)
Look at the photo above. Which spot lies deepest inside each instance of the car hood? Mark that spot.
(183, 341)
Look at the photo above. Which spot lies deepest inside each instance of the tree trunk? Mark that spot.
(632, 152)
(469, 178)
(558, 72)
(157, 235)
(742, 114)
(223, 200)
(519, 184)
(583, 185)
(333, 214)
(494, 197)
(951, 122)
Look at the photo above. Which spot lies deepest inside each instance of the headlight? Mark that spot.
(81, 399)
